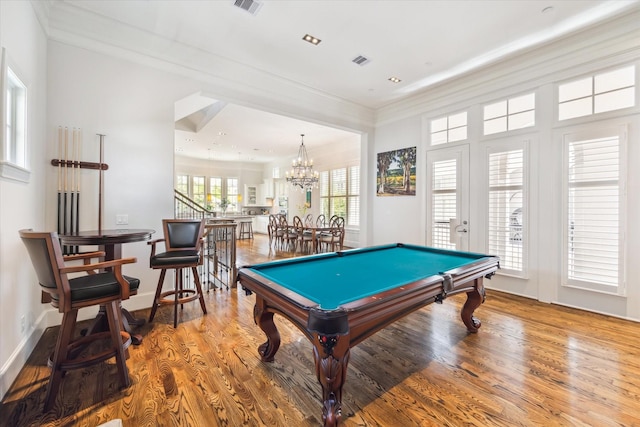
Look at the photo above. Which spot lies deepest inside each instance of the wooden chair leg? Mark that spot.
(157, 297)
(177, 289)
(115, 322)
(60, 356)
(196, 279)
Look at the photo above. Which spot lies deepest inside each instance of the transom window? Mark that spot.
(510, 114)
(603, 92)
(449, 129)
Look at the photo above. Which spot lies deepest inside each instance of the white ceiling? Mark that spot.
(419, 42)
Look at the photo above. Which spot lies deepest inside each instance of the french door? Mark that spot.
(448, 198)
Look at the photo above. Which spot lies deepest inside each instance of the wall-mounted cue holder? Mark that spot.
(81, 165)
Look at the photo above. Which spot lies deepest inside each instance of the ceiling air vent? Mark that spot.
(360, 60)
(250, 6)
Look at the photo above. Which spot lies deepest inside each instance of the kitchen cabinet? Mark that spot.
(260, 224)
(251, 194)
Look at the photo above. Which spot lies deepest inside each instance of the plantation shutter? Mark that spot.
(506, 208)
(353, 216)
(339, 192)
(443, 202)
(593, 253)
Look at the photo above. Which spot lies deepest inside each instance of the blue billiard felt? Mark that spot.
(332, 280)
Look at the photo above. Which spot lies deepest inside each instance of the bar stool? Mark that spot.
(246, 229)
(183, 245)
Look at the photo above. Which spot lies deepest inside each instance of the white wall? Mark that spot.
(399, 218)
(405, 124)
(22, 204)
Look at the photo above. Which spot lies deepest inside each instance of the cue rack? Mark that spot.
(68, 165)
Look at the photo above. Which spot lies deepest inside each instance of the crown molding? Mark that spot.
(603, 45)
(229, 80)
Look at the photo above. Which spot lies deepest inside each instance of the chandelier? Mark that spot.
(302, 173)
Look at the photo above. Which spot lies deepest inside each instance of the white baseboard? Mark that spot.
(48, 318)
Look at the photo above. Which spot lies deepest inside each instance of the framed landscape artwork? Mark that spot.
(396, 174)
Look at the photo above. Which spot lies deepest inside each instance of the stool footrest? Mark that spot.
(192, 296)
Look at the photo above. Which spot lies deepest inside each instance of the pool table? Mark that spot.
(338, 299)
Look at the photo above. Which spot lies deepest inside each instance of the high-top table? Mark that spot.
(110, 241)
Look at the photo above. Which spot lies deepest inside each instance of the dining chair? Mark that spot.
(183, 242)
(276, 233)
(320, 220)
(303, 238)
(333, 240)
(103, 284)
(308, 220)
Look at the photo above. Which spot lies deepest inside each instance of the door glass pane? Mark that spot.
(593, 229)
(444, 202)
(506, 208)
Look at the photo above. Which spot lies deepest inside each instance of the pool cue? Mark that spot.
(78, 185)
(72, 196)
(101, 183)
(66, 186)
(59, 179)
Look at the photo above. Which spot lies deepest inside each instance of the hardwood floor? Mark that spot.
(531, 364)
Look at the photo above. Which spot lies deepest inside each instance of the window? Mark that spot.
(340, 194)
(603, 92)
(353, 197)
(511, 114)
(13, 163)
(443, 202)
(182, 184)
(232, 193)
(507, 210)
(198, 190)
(593, 257)
(449, 129)
(215, 193)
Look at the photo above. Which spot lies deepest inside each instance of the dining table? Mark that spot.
(316, 232)
(110, 241)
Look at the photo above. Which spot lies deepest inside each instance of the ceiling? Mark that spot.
(420, 43)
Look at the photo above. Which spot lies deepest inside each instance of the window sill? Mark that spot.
(14, 172)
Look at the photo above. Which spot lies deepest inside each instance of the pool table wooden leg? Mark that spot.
(475, 297)
(331, 354)
(264, 319)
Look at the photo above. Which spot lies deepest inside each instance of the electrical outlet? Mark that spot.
(122, 219)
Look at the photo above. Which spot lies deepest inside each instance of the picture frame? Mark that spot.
(396, 173)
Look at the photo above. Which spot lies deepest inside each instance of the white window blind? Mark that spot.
(506, 208)
(340, 194)
(444, 202)
(353, 203)
(593, 212)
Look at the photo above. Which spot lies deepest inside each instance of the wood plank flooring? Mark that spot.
(531, 364)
